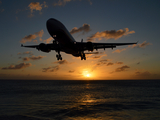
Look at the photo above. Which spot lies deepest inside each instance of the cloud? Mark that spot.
(85, 28)
(51, 69)
(102, 62)
(92, 56)
(71, 71)
(119, 50)
(36, 6)
(48, 40)
(32, 58)
(40, 33)
(119, 63)
(1, 9)
(61, 62)
(110, 63)
(25, 53)
(142, 45)
(31, 37)
(61, 2)
(113, 34)
(123, 68)
(143, 73)
(16, 67)
(90, 2)
(138, 63)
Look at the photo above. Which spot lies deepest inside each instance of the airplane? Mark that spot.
(64, 42)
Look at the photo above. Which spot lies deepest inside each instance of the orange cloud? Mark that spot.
(25, 53)
(84, 28)
(31, 37)
(36, 6)
(61, 3)
(48, 40)
(113, 34)
(16, 67)
(33, 58)
(119, 50)
(92, 56)
(61, 62)
(51, 69)
(142, 45)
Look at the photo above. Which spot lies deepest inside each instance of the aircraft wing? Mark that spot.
(109, 45)
(90, 46)
(30, 46)
(44, 47)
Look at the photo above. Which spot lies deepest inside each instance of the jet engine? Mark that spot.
(90, 46)
(43, 47)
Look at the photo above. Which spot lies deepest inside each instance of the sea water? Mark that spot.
(80, 100)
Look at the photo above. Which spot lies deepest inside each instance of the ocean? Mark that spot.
(79, 100)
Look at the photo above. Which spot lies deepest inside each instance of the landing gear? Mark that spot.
(59, 56)
(83, 57)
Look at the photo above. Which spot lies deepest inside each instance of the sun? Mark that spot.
(86, 74)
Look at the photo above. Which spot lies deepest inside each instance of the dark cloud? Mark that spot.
(16, 67)
(32, 58)
(119, 63)
(138, 63)
(61, 2)
(30, 38)
(71, 71)
(64, 2)
(61, 62)
(110, 63)
(51, 69)
(142, 74)
(102, 62)
(1, 9)
(85, 28)
(123, 68)
(113, 34)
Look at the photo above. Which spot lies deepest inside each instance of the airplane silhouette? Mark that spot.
(64, 42)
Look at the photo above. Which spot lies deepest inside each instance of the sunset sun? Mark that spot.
(86, 74)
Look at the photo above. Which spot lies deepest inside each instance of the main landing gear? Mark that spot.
(59, 56)
(83, 57)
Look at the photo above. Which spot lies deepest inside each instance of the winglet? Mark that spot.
(21, 45)
(137, 42)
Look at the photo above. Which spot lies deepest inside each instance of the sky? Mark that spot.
(100, 21)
